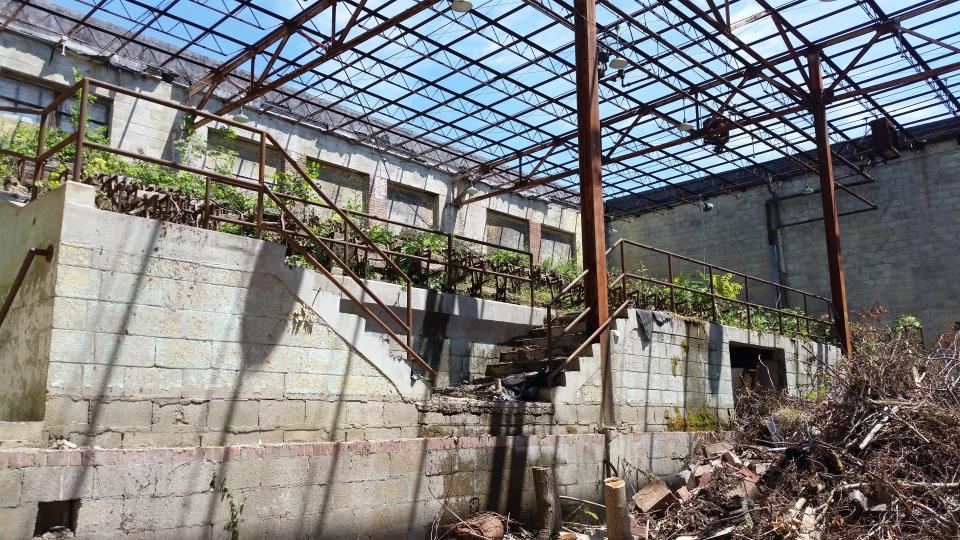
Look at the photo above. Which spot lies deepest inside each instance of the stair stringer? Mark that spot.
(575, 380)
(319, 294)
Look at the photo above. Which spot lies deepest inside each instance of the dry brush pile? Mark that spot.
(873, 451)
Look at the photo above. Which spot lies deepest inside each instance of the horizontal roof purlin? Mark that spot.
(491, 93)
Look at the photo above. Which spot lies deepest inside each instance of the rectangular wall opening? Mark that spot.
(56, 517)
(756, 369)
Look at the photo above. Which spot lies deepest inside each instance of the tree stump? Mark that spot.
(548, 503)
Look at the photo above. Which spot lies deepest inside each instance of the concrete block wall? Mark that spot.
(896, 256)
(685, 368)
(25, 333)
(174, 336)
(330, 490)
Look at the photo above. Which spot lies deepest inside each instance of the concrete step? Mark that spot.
(557, 329)
(567, 342)
(512, 368)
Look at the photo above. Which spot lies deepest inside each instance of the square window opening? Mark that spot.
(756, 369)
(56, 516)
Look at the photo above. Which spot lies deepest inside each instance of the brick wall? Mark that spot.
(897, 256)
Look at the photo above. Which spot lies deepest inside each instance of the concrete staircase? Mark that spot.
(529, 354)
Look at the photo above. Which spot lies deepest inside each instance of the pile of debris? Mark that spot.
(872, 450)
(515, 387)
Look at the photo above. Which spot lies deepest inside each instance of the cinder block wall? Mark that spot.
(166, 335)
(684, 368)
(897, 256)
(25, 334)
(353, 490)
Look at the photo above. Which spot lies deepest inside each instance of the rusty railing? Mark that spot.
(82, 92)
(32, 253)
(669, 294)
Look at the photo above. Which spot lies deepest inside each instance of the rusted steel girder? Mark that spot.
(283, 32)
(333, 51)
(591, 188)
(831, 221)
(648, 108)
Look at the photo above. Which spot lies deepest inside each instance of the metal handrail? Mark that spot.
(79, 138)
(715, 267)
(32, 253)
(589, 341)
(548, 320)
(781, 312)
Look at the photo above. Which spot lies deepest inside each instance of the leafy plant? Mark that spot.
(232, 526)
(506, 256)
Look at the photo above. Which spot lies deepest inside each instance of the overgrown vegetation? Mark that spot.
(690, 297)
(872, 453)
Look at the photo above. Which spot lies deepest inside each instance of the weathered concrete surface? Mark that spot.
(360, 489)
(25, 335)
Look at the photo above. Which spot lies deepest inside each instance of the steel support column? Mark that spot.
(591, 190)
(831, 221)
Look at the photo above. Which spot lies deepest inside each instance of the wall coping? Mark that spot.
(34, 457)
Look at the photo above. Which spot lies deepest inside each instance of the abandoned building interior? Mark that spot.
(361, 269)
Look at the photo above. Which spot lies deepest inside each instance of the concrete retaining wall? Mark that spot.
(25, 334)
(356, 490)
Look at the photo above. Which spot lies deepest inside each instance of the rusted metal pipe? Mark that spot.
(32, 253)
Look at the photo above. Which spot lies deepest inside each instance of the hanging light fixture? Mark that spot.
(471, 191)
(240, 118)
(685, 126)
(807, 188)
(619, 62)
(461, 6)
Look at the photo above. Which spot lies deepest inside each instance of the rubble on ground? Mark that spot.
(871, 451)
(516, 387)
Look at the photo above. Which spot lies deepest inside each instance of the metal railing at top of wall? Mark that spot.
(672, 294)
(697, 295)
(82, 91)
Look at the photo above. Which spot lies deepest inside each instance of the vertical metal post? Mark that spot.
(41, 147)
(746, 295)
(713, 297)
(831, 221)
(530, 277)
(673, 297)
(262, 177)
(81, 129)
(591, 189)
(449, 264)
(206, 204)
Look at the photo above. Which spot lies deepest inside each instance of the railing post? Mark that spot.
(779, 309)
(41, 146)
(549, 326)
(673, 299)
(81, 129)
(206, 203)
(806, 315)
(449, 265)
(746, 294)
(713, 297)
(530, 278)
(262, 177)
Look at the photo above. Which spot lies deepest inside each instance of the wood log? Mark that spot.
(618, 516)
(548, 502)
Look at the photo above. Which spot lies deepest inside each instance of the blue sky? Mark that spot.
(520, 77)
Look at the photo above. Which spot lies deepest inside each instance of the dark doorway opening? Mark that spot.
(756, 369)
(57, 517)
